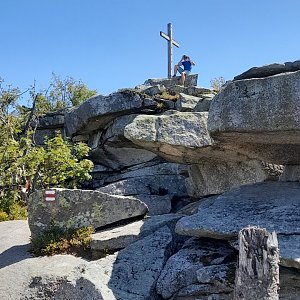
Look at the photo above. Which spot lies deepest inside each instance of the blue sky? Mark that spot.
(112, 44)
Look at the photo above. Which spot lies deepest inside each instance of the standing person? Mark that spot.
(186, 70)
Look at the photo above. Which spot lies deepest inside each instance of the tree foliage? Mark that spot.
(67, 92)
(25, 166)
(217, 83)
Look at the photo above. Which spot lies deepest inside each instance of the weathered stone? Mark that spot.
(179, 137)
(138, 266)
(186, 102)
(201, 292)
(270, 205)
(260, 118)
(88, 281)
(193, 264)
(114, 132)
(117, 158)
(269, 70)
(77, 208)
(122, 236)
(256, 205)
(192, 208)
(212, 177)
(163, 133)
(40, 135)
(157, 179)
(128, 274)
(52, 120)
(203, 104)
(113, 150)
(289, 250)
(290, 173)
(192, 90)
(151, 185)
(191, 80)
(289, 284)
(64, 277)
(157, 205)
(98, 111)
(154, 90)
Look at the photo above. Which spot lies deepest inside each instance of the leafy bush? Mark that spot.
(58, 241)
(25, 164)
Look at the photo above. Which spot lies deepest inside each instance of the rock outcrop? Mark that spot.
(263, 204)
(78, 208)
(172, 150)
(260, 118)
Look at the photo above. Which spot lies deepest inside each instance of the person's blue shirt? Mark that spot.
(187, 65)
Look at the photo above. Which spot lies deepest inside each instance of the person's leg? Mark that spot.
(183, 78)
(175, 70)
(184, 75)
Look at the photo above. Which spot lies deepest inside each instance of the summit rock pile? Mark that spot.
(179, 171)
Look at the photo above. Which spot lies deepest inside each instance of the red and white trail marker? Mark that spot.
(50, 195)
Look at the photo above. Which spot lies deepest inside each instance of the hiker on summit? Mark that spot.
(187, 67)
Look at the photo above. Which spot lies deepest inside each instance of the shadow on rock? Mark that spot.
(14, 255)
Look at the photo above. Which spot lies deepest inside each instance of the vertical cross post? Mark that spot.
(171, 42)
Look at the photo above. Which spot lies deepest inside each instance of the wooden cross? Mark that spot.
(171, 42)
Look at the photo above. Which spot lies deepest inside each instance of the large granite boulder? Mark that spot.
(211, 178)
(183, 137)
(78, 208)
(177, 136)
(270, 205)
(203, 264)
(110, 148)
(98, 111)
(186, 102)
(260, 117)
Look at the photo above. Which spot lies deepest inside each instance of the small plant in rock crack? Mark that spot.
(58, 241)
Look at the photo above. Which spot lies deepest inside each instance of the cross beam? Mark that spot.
(171, 42)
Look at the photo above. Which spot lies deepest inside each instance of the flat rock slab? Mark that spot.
(260, 117)
(98, 111)
(191, 80)
(269, 70)
(78, 208)
(270, 205)
(178, 136)
(122, 236)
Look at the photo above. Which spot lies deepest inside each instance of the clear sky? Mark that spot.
(112, 44)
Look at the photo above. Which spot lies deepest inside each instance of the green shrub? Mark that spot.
(3, 216)
(58, 241)
(18, 211)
